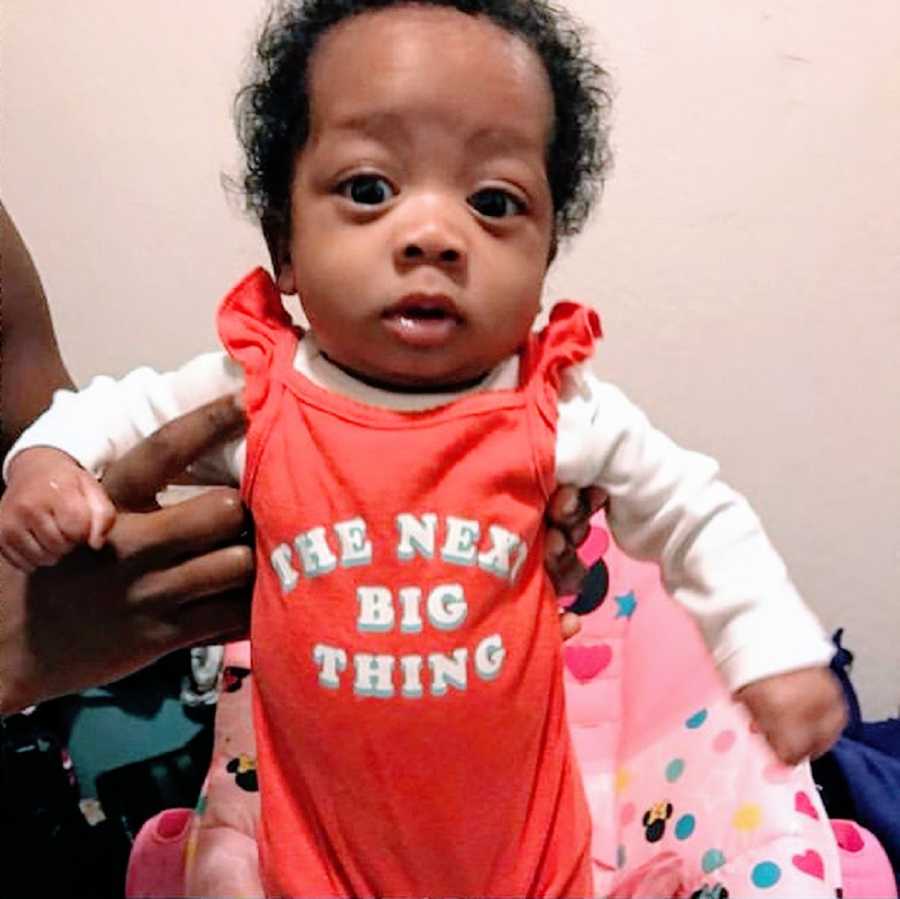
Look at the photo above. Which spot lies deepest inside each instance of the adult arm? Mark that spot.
(31, 364)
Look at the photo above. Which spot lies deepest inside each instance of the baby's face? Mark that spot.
(421, 211)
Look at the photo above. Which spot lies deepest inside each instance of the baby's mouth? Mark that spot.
(424, 306)
(425, 321)
(423, 312)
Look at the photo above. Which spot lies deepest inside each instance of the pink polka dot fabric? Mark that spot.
(707, 800)
(683, 792)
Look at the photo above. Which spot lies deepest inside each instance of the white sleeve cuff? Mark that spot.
(784, 637)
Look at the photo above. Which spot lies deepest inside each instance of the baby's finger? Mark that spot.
(102, 515)
(15, 558)
(72, 515)
(29, 548)
(52, 540)
(569, 624)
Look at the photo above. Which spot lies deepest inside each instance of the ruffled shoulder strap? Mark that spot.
(568, 339)
(257, 332)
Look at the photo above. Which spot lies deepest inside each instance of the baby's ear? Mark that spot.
(284, 276)
(280, 253)
(554, 248)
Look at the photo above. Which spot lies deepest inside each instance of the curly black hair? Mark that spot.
(272, 109)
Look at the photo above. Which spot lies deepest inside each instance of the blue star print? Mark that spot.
(627, 604)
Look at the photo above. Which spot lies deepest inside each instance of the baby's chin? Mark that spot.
(420, 383)
(417, 379)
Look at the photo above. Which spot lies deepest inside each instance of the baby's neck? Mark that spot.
(424, 387)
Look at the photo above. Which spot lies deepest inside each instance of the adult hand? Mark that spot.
(568, 517)
(166, 579)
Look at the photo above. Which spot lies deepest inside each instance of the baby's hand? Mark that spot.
(50, 506)
(800, 713)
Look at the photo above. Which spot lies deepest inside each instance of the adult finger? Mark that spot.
(569, 574)
(206, 575)
(223, 619)
(134, 480)
(570, 510)
(565, 568)
(597, 498)
(555, 546)
(197, 525)
(555, 550)
(578, 532)
(563, 505)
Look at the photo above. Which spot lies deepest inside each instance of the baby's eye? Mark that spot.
(367, 190)
(494, 202)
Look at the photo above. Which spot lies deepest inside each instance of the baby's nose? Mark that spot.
(428, 251)
(431, 235)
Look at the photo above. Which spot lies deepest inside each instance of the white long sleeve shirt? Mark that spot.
(666, 503)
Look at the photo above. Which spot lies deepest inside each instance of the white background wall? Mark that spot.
(745, 258)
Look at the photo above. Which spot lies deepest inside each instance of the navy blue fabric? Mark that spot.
(859, 777)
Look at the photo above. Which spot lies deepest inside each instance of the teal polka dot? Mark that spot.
(712, 859)
(696, 720)
(684, 826)
(674, 770)
(620, 857)
(201, 804)
(765, 875)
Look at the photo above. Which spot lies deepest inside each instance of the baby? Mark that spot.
(413, 166)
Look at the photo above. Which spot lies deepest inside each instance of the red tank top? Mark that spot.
(408, 704)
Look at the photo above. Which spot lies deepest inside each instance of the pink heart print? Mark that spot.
(848, 837)
(803, 805)
(586, 662)
(595, 546)
(810, 863)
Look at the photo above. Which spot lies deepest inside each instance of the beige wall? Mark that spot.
(746, 256)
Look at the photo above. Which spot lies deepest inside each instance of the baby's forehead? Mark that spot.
(380, 75)
(393, 123)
